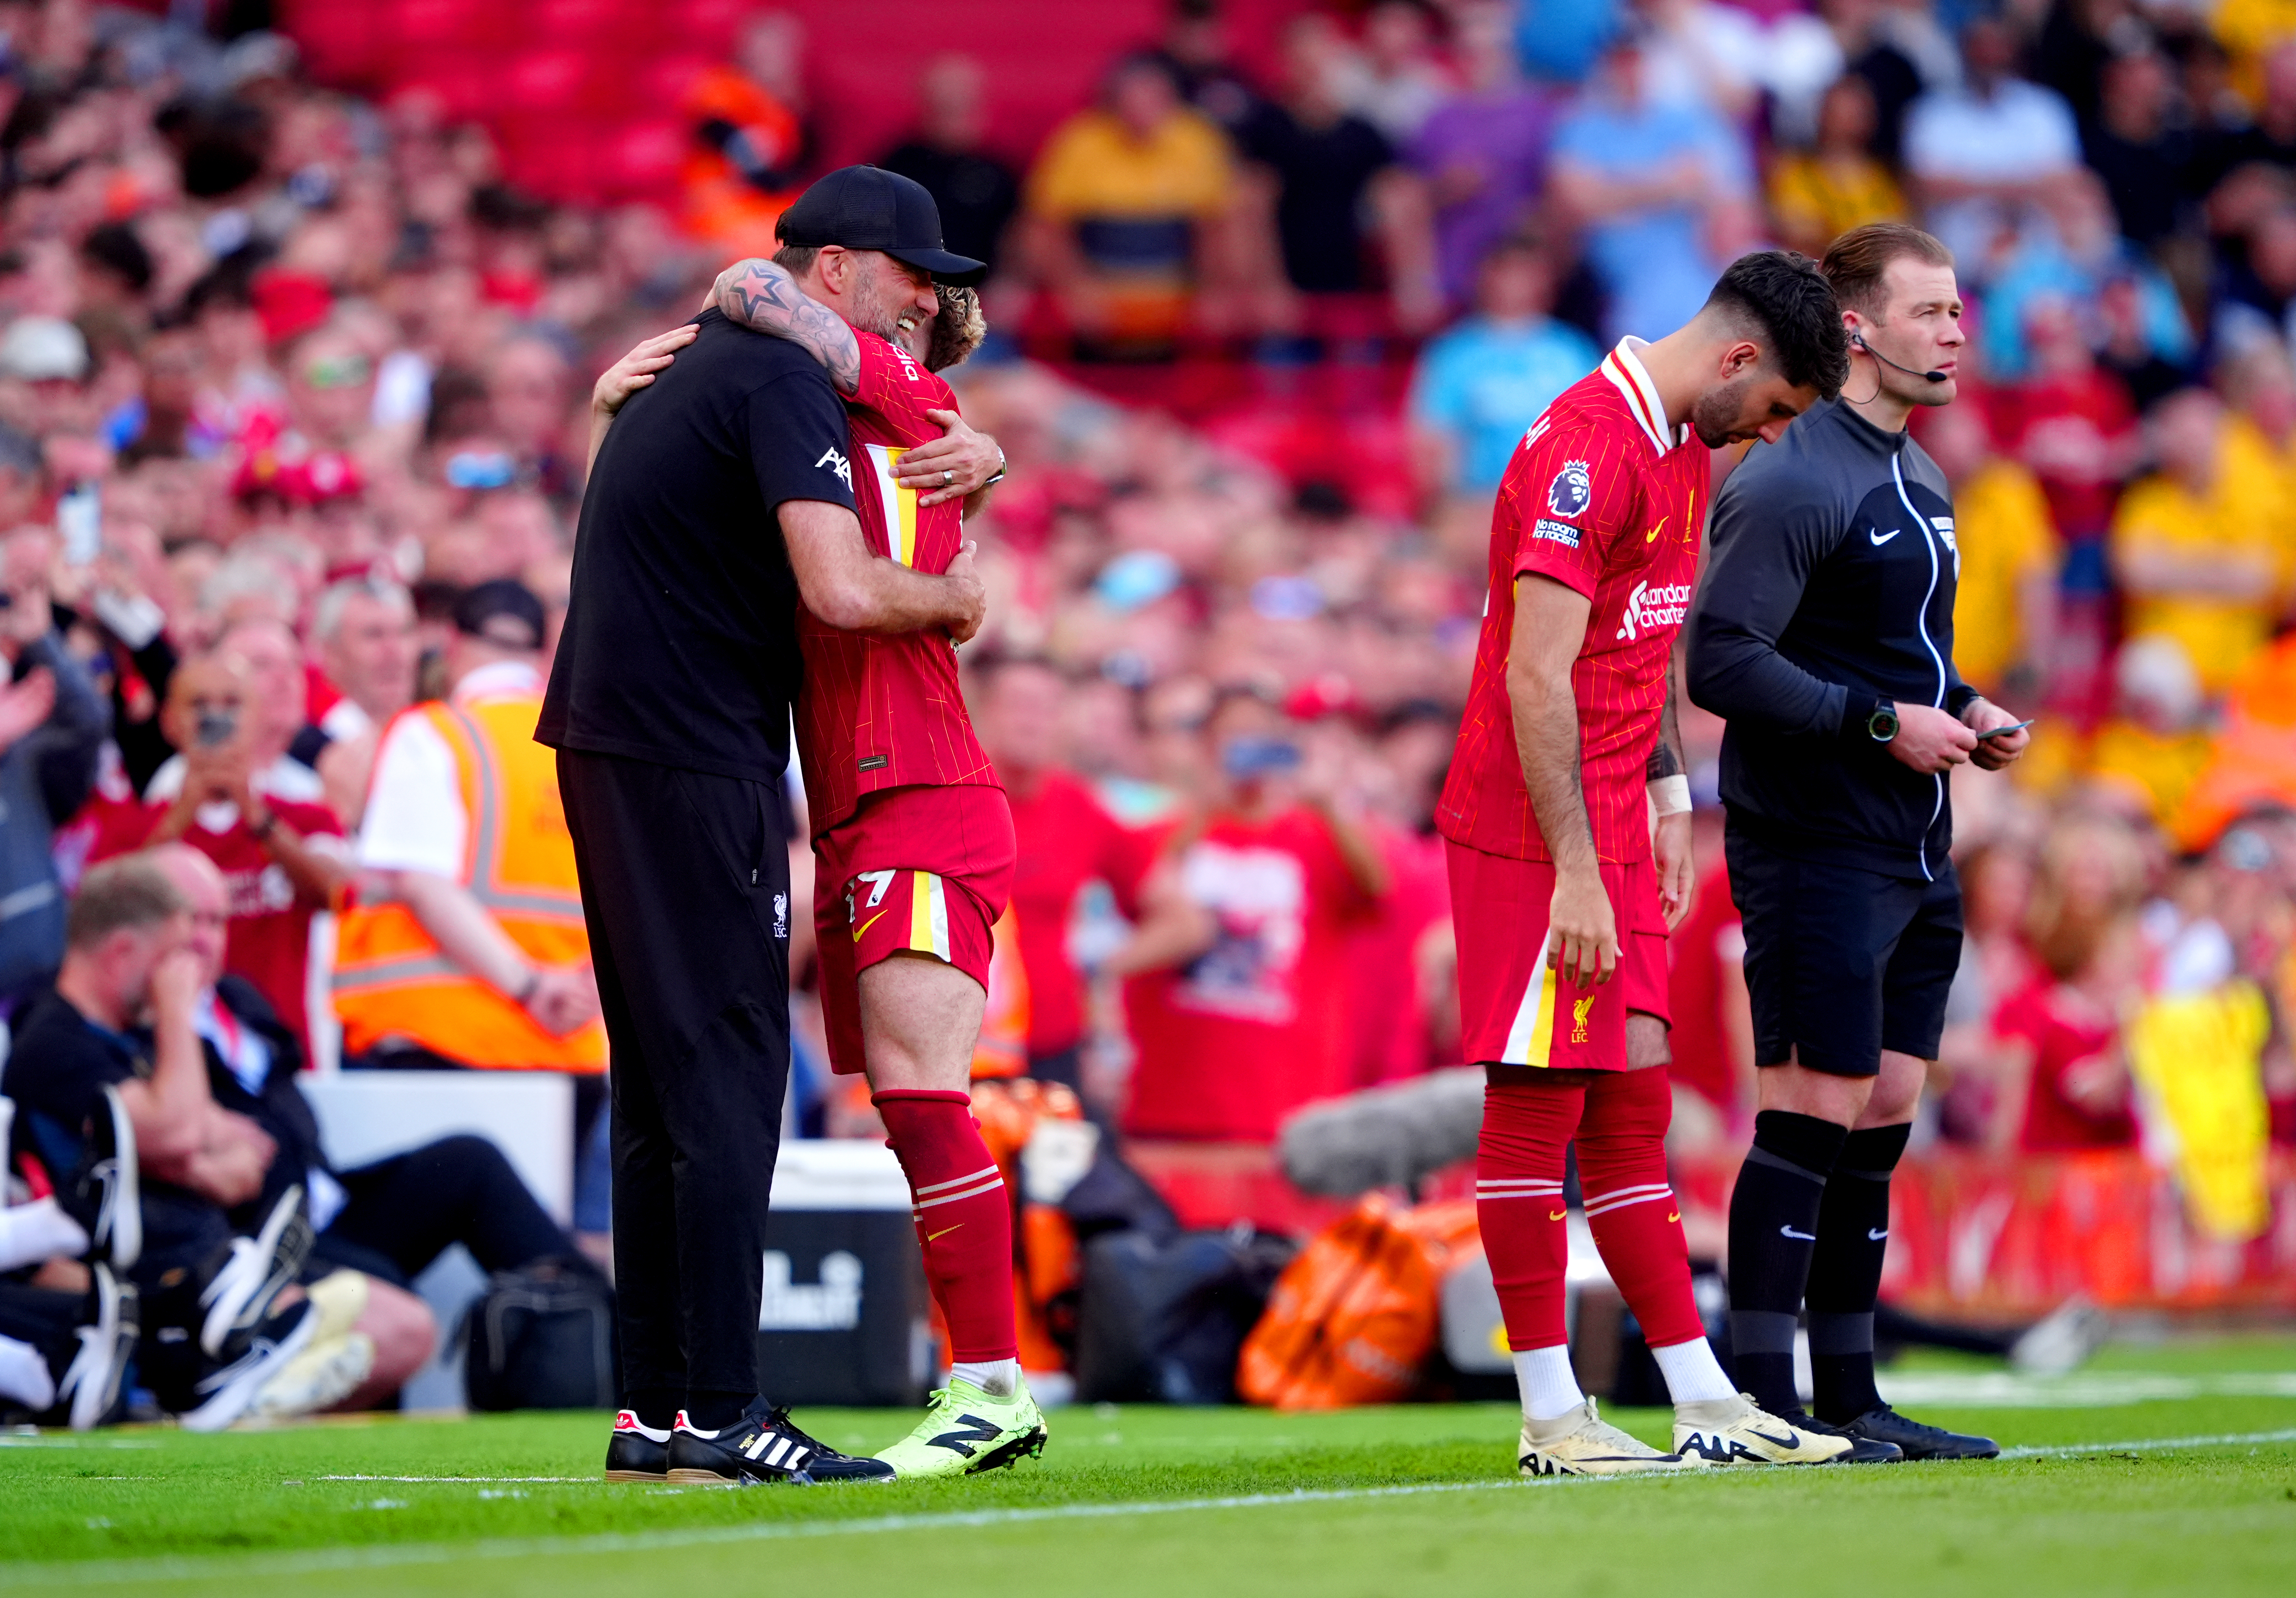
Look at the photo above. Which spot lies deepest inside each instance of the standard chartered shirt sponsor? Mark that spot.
(1654, 605)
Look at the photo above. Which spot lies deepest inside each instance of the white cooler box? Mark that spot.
(844, 1318)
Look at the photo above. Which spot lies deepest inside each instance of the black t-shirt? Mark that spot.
(1323, 172)
(680, 645)
(58, 1067)
(976, 193)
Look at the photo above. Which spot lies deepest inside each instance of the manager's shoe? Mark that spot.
(637, 1452)
(1916, 1440)
(763, 1446)
(968, 1430)
(1582, 1443)
(1733, 1431)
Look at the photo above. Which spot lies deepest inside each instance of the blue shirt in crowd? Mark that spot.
(1654, 263)
(1484, 382)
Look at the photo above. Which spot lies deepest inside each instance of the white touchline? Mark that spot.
(308, 1561)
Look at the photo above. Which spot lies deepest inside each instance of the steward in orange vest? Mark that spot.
(481, 956)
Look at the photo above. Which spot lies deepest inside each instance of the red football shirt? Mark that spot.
(1066, 838)
(1600, 499)
(887, 712)
(2064, 1031)
(1255, 1026)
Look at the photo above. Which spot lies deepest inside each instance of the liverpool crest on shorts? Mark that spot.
(1571, 491)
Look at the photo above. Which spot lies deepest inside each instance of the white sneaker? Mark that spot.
(1733, 1431)
(225, 1392)
(92, 1382)
(321, 1376)
(240, 1291)
(1582, 1443)
(2061, 1341)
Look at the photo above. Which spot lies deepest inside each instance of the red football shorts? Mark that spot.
(1512, 1009)
(917, 870)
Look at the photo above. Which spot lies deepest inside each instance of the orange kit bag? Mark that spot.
(1353, 1318)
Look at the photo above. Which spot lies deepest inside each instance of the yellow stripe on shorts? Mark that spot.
(929, 916)
(1530, 1041)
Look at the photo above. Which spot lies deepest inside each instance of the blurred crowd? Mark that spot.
(294, 408)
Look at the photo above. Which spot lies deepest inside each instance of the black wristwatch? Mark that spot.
(1882, 726)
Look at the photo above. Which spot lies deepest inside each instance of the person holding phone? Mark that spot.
(1823, 632)
(53, 724)
(1238, 1003)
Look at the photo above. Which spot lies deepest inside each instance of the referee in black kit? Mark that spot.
(1824, 632)
(723, 492)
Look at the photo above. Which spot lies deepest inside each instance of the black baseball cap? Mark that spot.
(868, 208)
(503, 612)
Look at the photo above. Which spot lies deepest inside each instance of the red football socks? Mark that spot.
(1631, 1206)
(1527, 1120)
(963, 1215)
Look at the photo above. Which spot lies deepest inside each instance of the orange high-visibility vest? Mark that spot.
(392, 982)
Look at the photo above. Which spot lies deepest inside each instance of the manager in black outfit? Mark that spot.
(723, 492)
(1824, 632)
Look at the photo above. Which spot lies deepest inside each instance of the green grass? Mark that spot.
(1414, 1499)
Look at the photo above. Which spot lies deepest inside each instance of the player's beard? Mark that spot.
(1715, 416)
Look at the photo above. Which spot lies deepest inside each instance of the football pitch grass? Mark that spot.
(2170, 1468)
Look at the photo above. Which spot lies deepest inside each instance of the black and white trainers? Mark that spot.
(763, 1446)
(1916, 1440)
(637, 1452)
(238, 1296)
(90, 1384)
(250, 1359)
(110, 1199)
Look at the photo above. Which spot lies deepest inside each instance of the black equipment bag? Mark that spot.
(1163, 1319)
(542, 1337)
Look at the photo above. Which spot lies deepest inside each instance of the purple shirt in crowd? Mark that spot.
(1503, 138)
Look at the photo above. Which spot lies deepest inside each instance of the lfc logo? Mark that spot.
(1578, 1012)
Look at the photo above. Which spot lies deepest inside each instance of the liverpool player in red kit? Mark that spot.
(1561, 902)
(912, 835)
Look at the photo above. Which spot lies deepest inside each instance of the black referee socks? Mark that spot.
(1774, 1214)
(1845, 1271)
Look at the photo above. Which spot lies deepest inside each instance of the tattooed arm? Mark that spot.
(765, 298)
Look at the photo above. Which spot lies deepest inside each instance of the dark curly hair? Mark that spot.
(1781, 296)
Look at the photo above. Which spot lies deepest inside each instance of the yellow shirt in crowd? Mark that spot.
(1133, 204)
(2246, 512)
(1820, 199)
(2001, 524)
(1093, 167)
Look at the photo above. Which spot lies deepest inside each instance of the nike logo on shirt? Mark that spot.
(1881, 537)
(1799, 1237)
(1872, 1236)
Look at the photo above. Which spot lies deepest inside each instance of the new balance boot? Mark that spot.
(967, 1431)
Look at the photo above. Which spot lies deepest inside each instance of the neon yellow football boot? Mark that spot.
(966, 1430)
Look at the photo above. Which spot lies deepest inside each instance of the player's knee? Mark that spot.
(403, 1330)
(1897, 1090)
(1646, 1042)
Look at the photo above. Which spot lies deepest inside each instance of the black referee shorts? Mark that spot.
(1842, 962)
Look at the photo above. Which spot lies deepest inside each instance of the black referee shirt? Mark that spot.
(1829, 585)
(680, 645)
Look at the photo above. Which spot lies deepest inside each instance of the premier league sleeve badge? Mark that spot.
(1571, 491)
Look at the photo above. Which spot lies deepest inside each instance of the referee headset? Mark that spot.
(1858, 337)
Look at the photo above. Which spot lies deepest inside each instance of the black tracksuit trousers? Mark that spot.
(686, 888)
